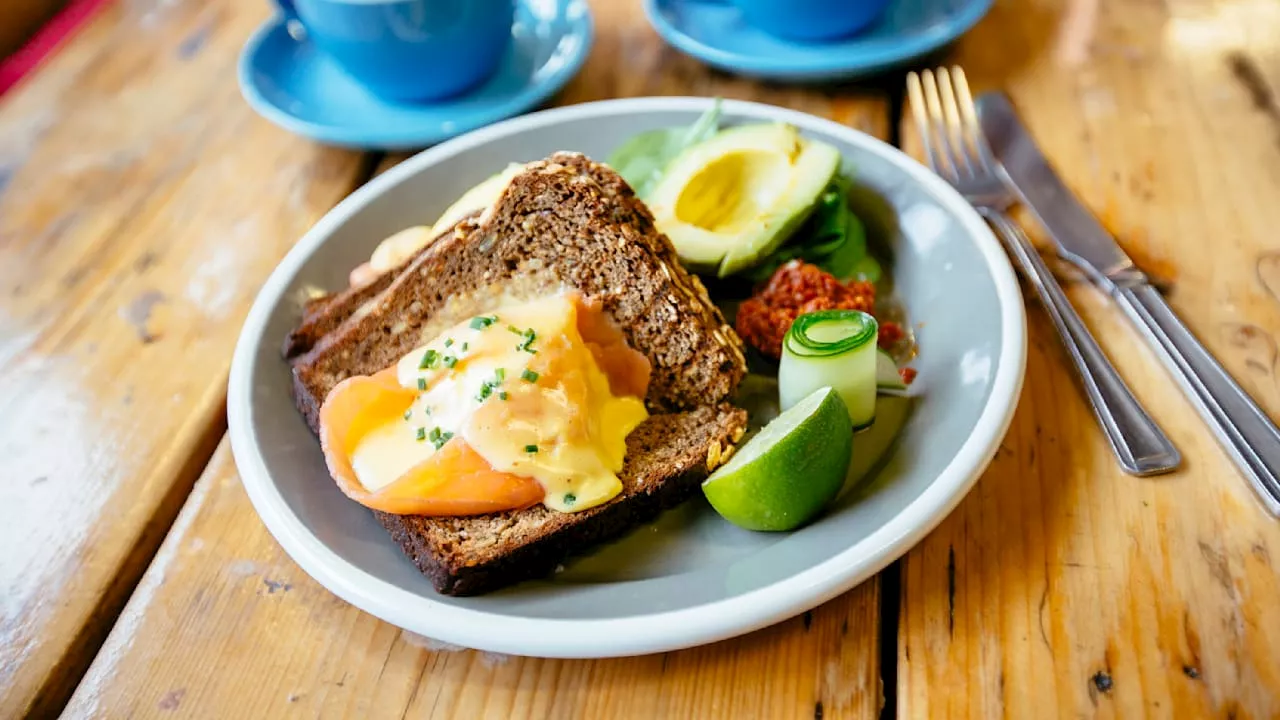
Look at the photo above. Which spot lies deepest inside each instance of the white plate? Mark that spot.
(688, 578)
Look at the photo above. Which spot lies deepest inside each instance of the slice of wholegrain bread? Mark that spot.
(564, 224)
(322, 315)
(553, 228)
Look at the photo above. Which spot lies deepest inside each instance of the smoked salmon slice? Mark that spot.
(455, 480)
(628, 370)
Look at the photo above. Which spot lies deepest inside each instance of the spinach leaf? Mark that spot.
(642, 158)
(868, 268)
(842, 261)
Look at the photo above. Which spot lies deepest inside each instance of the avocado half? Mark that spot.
(729, 201)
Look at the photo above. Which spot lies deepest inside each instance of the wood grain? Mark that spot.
(225, 625)
(1062, 587)
(141, 205)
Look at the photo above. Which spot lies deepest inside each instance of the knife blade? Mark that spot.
(1079, 236)
(1244, 429)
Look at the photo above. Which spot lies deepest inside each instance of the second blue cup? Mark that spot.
(811, 20)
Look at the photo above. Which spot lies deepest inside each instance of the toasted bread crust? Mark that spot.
(565, 223)
(323, 315)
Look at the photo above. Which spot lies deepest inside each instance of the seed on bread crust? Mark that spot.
(713, 456)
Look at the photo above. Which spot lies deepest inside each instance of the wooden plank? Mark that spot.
(224, 624)
(1061, 586)
(141, 205)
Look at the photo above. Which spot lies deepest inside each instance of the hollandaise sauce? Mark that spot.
(529, 403)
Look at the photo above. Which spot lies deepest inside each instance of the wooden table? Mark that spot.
(142, 204)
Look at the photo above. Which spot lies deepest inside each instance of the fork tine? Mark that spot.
(952, 127)
(915, 94)
(947, 166)
(969, 120)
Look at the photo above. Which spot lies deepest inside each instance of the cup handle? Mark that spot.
(287, 10)
(292, 23)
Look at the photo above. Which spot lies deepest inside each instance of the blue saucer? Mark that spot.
(292, 84)
(713, 31)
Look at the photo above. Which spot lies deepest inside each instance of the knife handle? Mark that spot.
(1243, 428)
(1140, 446)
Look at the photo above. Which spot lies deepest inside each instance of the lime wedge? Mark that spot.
(784, 475)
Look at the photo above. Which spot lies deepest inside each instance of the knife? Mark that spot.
(1244, 429)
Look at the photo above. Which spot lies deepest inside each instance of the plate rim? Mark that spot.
(583, 24)
(637, 634)
(838, 66)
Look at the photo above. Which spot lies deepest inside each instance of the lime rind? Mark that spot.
(789, 471)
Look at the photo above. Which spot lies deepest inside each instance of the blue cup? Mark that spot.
(810, 20)
(409, 50)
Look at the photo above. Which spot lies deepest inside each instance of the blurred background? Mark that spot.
(20, 19)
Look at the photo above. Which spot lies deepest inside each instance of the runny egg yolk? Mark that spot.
(532, 402)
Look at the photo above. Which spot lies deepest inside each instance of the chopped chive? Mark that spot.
(529, 376)
(422, 383)
(570, 498)
(422, 433)
(464, 347)
(428, 360)
(483, 321)
(448, 342)
(426, 411)
(502, 395)
(408, 414)
(527, 343)
(515, 329)
(488, 386)
(438, 437)
(531, 448)
(449, 361)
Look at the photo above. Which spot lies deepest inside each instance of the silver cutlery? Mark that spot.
(956, 150)
(1243, 428)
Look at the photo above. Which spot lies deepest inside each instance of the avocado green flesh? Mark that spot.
(729, 201)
